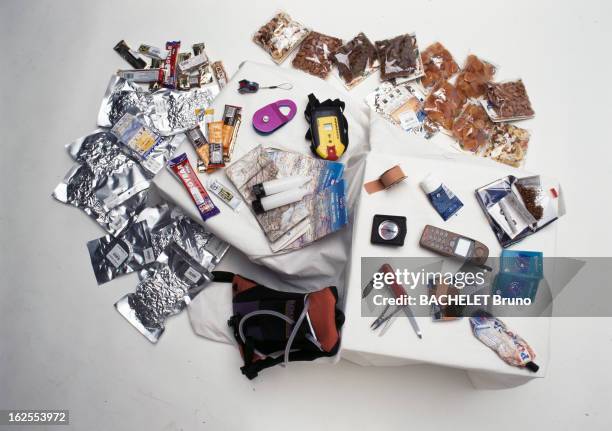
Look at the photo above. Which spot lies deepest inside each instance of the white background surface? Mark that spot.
(62, 345)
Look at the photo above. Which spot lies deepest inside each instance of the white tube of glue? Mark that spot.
(226, 195)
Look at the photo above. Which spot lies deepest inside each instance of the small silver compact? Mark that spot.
(388, 230)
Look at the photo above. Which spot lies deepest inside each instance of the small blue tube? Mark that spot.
(443, 200)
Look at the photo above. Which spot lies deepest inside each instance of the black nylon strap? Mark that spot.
(223, 276)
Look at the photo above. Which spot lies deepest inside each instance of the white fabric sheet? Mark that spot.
(444, 343)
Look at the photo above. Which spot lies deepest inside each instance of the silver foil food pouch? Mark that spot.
(112, 200)
(167, 111)
(169, 223)
(102, 151)
(174, 279)
(203, 246)
(131, 251)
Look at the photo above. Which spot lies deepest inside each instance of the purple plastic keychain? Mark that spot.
(269, 118)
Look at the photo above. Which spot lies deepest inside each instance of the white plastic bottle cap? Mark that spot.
(430, 183)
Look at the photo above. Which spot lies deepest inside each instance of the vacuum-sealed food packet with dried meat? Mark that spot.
(444, 104)
(400, 58)
(356, 60)
(438, 65)
(279, 36)
(473, 77)
(507, 101)
(471, 127)
(314, 55)
(506, 144)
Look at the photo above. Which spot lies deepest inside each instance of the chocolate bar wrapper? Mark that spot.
(126, 53)
(170, 64)
(231, 116)
(142, 76)
(152, 52)
(220, 74)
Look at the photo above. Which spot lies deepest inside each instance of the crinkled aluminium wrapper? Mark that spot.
(111, 191)
(169, 224)
(174, 280)
(112, 257)
(102, 151)
(167, 111)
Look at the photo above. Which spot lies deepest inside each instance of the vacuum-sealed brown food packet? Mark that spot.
(444, 104)
(315, 54)
(356, 60)
(438, 64)
(472, 126)
(473, 78)
(399, 58)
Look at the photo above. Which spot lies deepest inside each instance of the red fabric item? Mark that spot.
(322, 312)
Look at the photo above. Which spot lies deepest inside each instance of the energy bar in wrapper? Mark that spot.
(152, 52)
(126, 53)
(199, 143)
(142, 76)
(170, 64)
(205, 117)
(131, 251)
(174, 279)
(215, 145)
(194, 62)
(181, 167)
(198, 48)
(231, 115)
(182, 77)
(220, 73)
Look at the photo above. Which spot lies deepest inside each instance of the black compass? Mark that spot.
(388, 230)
